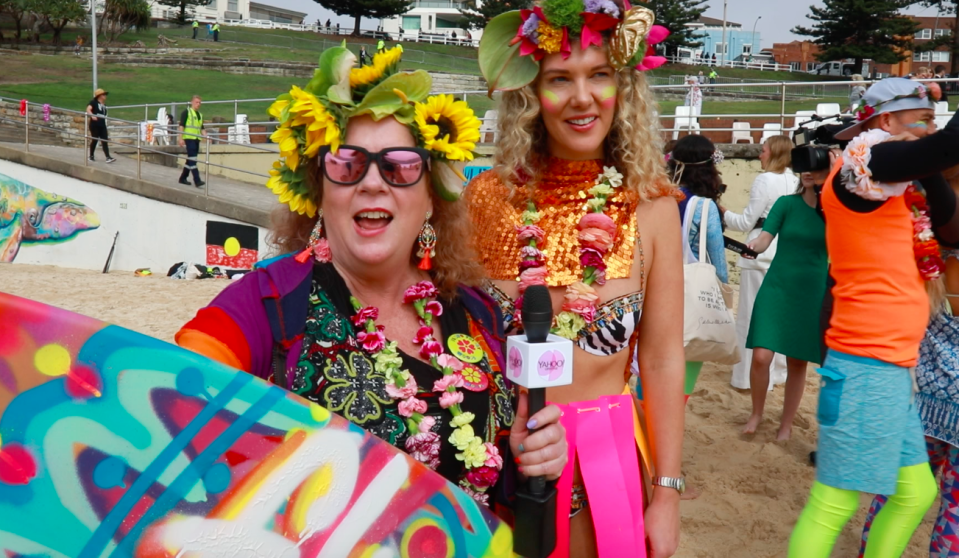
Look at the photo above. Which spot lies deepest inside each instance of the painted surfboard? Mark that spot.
(115, 444)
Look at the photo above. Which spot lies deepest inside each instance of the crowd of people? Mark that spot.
(396, 287)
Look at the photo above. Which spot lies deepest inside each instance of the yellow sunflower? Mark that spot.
(448, 126)
(276, 109)
(321, 127)
(289, 147)
(383, 62)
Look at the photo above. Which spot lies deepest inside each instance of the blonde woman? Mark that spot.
(579, 201)
(777, 181)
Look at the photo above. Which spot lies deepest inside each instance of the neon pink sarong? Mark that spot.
(601, 438)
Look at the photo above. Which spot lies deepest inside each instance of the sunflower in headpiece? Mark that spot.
(448, 126)
(316, 115)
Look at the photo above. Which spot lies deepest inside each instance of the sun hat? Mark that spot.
(99, 92)
(891, 95)
(317, 114)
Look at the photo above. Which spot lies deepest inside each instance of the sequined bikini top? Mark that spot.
(560, 196)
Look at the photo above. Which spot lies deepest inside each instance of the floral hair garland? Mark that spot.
(922, 91)
(513, 43)
(317, 115)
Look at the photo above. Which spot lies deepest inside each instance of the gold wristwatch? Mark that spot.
(677, 483)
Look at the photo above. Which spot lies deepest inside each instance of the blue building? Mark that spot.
(740, 43)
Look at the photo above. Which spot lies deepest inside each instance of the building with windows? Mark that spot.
(440, 18)
(929, 29)
(222, 10)
(739, 45)
(800, 56)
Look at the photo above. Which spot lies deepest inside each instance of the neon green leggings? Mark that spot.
(828, 510)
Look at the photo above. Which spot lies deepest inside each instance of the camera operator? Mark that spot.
(879, 236)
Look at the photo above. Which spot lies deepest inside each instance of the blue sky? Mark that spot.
(778, 16)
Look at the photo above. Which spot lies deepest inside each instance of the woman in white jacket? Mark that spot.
(778, 180)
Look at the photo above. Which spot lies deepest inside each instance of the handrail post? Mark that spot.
(146, 112)
(782, 108)
(138, 151)
(207, 171)
(26, 127)
(235, 111)
(86, 139)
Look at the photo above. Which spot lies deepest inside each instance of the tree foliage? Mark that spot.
(16, 10)
(674, 15)
(184, 9)
(477, 16)
(861, 29)
(57, 14)
(358, 9)
(119, 16)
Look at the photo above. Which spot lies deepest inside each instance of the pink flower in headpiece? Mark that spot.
(656, 35)
(527, 34)
(565, 49)
(921, 90)
(934, 91)
(593, 25)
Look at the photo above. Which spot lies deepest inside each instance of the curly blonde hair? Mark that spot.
(634, 144)
(456, 262)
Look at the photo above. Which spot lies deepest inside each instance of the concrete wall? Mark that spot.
(152, 233)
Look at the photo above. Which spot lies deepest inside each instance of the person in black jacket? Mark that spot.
(97, 109)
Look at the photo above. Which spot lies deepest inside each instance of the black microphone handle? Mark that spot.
(536, 400)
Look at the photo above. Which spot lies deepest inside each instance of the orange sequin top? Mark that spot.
(560, 195)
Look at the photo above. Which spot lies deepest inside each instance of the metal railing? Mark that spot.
(745, 65)
(121, 136)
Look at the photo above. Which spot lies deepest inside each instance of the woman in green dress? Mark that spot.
(785, 317)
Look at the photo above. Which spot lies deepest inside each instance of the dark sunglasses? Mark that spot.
(400, 167)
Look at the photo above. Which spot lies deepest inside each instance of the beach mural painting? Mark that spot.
(29, 215)
(115, 443)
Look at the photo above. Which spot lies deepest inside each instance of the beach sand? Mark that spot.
(753, 487)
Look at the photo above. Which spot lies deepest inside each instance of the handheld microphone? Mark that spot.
(537, 360)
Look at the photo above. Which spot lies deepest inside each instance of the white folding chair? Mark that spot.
(243, 134)
(488, 126)
(231, 134)
(685, 120)
(825, 110)
(742, 132)
(241, 119)
(802, 118)
(771, 129)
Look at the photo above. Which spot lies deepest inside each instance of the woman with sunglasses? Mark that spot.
(579, 200)
(370, 311)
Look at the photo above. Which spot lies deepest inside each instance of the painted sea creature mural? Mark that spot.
(117, 444)
(29, 215)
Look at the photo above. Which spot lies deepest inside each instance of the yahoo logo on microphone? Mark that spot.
(550, 365)
(514, 362)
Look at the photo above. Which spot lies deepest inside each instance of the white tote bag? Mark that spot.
(709, 329)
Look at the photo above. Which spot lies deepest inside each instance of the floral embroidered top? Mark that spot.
(324, 362)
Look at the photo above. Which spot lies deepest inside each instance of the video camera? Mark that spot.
(813, 143)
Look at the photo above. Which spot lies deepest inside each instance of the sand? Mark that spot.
(753, 487)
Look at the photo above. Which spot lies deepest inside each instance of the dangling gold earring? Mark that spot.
(426, 244)
(317, 245)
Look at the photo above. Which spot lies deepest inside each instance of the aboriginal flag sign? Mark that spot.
(231, 245)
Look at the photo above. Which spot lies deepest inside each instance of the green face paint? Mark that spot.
(549, 100)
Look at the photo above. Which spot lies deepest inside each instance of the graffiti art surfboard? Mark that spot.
(116, 444)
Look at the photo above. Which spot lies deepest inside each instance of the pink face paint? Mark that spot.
(608, 97)
(549, 100)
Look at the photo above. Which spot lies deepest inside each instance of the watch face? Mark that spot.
(682, 485)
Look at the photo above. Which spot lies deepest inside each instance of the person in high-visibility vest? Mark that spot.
(216, 32)
(191, 129)
(196, 26)
(380, 45)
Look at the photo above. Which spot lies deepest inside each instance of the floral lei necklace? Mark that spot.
(857, 179)
(482, 460)
(597, 232)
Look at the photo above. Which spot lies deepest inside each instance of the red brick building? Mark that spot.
(799, 55)
(929, 29)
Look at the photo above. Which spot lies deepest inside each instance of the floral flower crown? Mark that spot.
(933, 91)
(513, 43)
(316, 115)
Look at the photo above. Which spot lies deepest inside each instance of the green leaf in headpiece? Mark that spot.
(383, 100)
(499, 60)
(332, 78)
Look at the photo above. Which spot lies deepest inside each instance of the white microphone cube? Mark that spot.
(539, 365)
